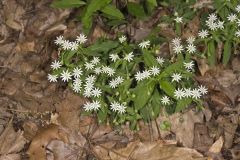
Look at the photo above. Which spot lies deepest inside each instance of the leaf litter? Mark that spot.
(44, 120)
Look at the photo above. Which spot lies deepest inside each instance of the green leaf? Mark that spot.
(143, 93)
(112, 12)
(104, 46)
(170, 69)
(151, 4)
(136, 10)
(94, 5)
(67, 3)
(167, 87)
(227, 52)
(155, 102)
(211, 53)
(149, 59)
(182, 104)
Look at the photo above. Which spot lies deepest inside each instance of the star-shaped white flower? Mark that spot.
(144, 44)
(138, 76)
(122, 39)
(220, 24)
(176, 77)
(129, 57)
(190, 40)
(114, 57)
(196, 93)
(154, 70)
(237, 34)
(212, 25)
(81, 39)
(59, 40)
(189, 65)
(76, 88)
(188, 92)
(66, 76)
(66, 45)
(95, 60)
(212, 17)
(160, 60)
(238, 22)
(121, 109)
(52, 78)
(232, 17)
(165, 100)
(77, 72)
(203, 34)
(179, 19)
(238, 8)
(110, 71)
(74, 46)
(179, 93)
(96, 92)
(178, 49)
(191, 48)
(56, 65)
(89, 66)
(87, 106)
(114, 106)
(91, 79)
(98, 70)
(176, 41)
(95, 105)
(202, 89)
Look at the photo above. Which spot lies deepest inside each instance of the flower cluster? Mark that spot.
(111, 79)
(179, 48)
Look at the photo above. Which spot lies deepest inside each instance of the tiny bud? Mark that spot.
(133, 95)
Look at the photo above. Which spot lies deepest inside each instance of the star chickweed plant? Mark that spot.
(218, 29)
(124, 81)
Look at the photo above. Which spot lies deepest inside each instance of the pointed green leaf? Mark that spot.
(227, 52)
(112, 12)
(182, 104)
(167, 87)
(211, 53)
(149, 59)
(136, 10)
(67, 3)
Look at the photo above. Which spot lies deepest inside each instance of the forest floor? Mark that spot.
(42, 120)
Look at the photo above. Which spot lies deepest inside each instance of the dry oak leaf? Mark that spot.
(11, 143)
(37, 148)
(155, 151)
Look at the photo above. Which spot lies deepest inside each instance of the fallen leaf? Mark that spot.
(217, 146)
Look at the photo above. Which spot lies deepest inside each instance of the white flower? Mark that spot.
(59, 40)
(191, 48)
(81, 39)
(238, 8)
(165, 100)
(95, 60)
(87, 92)
(146, 74)
(89, 66)
(66, 76)
(160, 60)
(237, 34)
(121, 108)
(232, 17)
(119, 79)
(56, 64)
(212, 17)
(154, 70)
(202, 89)
(96, 105)
(203, 33)
(77, 82)
(66, 45)
(138, 76)
(144, 44)
(196, 93)
(114, 57)
(212, 25)
(179, 19)
(176, 41)
(238, 22)
(76, 88)
(220, 24)
(52, 78)
(188, 92)
(110, 71)
(179, 93)
(73, 46)
(122, 39)
(114, 106)
(178, 49)
(189, 65)
(90, 79)
(96, 92)
(191, 40)
(98, 70)
(176, 77)
(129, 57)
(77, 72)
(87, 107)
(115, 82)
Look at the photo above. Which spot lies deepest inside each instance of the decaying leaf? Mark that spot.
(11, 143)
(154, 151)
